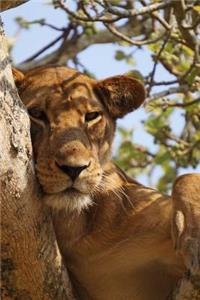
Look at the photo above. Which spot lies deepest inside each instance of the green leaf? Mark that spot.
(135, 74)
(197, 8)
(120, 55)
(192, 76)
(130, 60)
(162, 157)
(187, 50)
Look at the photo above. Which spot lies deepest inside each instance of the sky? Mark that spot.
(99, 59)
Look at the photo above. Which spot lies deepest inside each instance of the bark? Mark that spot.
(7, 4)
(31, 263)
(186, 199)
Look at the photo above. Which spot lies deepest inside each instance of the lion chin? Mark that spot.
(70, 200)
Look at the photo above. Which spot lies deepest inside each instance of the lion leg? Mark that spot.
(186, 233)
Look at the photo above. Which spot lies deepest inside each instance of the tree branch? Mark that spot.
(136, 12)
(188, 35)
(155, 15)
(118, 13)
(181, 105)
(73, 46)
(125, 38)
(157, 57)
(44, 49)
(173, 90)
(64, 35)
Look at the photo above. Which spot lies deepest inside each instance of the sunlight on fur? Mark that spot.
(68, 201)
(119, 239)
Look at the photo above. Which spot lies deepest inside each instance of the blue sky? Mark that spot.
(99, 59)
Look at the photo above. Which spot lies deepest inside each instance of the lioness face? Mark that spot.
(72, 127)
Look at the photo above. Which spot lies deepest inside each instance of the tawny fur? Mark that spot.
(114, 234)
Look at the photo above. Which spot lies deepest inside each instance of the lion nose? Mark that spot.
(72, 172)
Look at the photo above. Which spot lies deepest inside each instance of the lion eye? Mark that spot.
(92, 116)
(37, 114)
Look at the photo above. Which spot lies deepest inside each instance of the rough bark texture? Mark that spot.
(187, 203)
(7, 4)
(31, 264)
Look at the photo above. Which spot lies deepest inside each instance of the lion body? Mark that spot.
(114, 234)
(121, 248)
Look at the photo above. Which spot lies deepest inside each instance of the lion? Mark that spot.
(119, 239)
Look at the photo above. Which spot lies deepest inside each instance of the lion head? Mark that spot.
(72, 127)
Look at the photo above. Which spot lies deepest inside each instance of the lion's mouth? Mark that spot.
(71, 190)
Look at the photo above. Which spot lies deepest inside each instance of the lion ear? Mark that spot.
(120, 94)
(18, 77)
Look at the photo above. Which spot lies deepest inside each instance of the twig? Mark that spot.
(155, 15)
(163, 82)
(135, 12)
(120, 35)
(173, 137)
(85, 10)
(173, 90)
(115, 11)
(52, 26)
(64, 35)
(188, 35)
(143, 149)
(172, 104)
(44, 49)
(62, 5)
(43, 23)
(156, 62)
(72, 48)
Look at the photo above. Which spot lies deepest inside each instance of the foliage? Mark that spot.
(169, 30)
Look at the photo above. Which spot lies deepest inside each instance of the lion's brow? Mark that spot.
(62, 83)
(93, 103)
(74, 85)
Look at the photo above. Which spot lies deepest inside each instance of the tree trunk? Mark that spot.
(31, 263)
(186, 233)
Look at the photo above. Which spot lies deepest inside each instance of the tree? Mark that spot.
(169, 31)
(31, 263)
